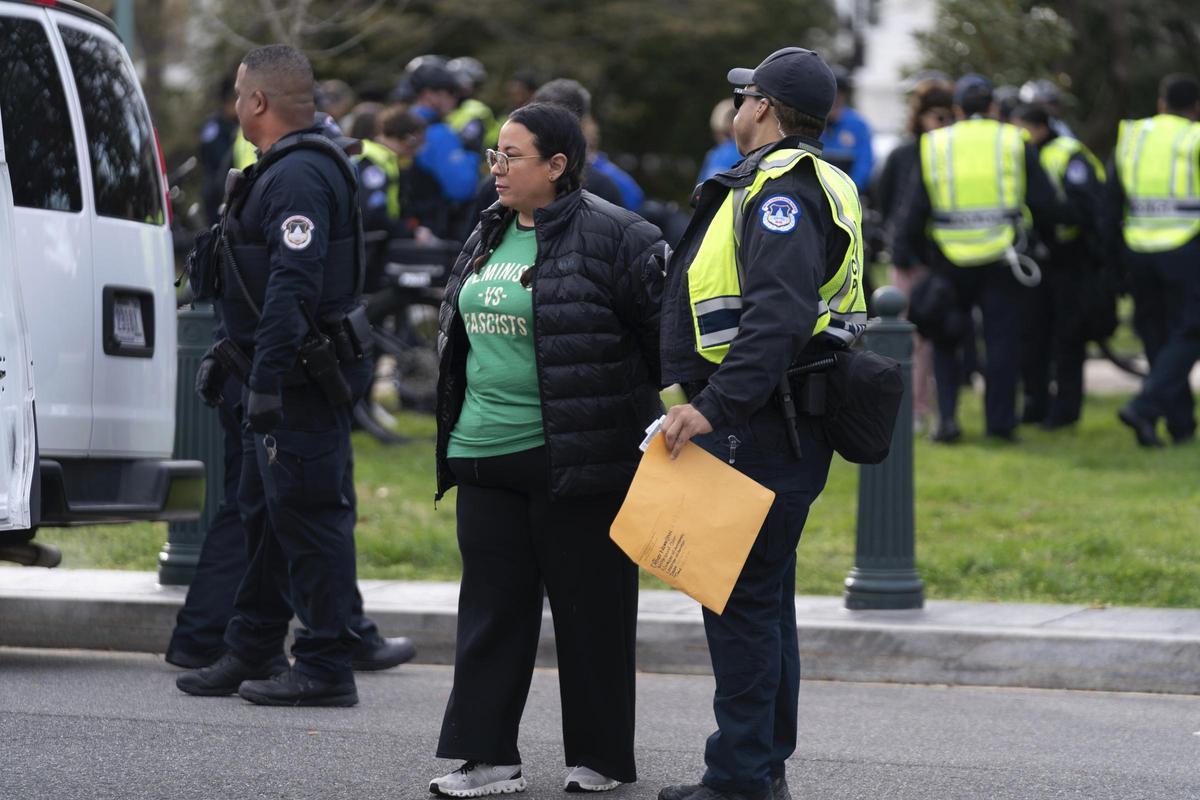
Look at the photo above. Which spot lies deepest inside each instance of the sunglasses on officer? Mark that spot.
(500, 161)
(740, 95)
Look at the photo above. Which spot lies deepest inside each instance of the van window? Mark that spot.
(38, 138)
(120, 139)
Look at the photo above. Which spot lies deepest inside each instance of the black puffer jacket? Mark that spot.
(597, 287)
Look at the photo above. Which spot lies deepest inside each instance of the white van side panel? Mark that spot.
(133, 399)
(18, 436)
(54, 255)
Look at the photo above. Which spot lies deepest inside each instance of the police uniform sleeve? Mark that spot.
(1083, 187)
(1040, 197)
(298, 208)
(908, 237)
(1112, 213)
(784, 261)
(640, 290)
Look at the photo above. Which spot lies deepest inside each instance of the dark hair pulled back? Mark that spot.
(555, 130)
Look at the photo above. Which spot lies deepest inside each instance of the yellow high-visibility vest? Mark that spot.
(974, 171)
(715, 275)
(472, 109)
(244, 153)
(386, 159)
(1156, 164)
(1055, 155)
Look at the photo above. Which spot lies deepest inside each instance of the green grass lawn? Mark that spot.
(1080, 516)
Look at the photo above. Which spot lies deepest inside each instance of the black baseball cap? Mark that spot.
(796, 77)
(432, 76)
(972, 84)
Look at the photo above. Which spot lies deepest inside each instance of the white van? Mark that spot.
(89, 233)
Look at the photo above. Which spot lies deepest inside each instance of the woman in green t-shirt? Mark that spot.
(549, 374)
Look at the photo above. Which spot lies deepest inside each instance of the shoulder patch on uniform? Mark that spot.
(779, 213)
(297, 232)
(209, 131)
(1077, 173)
(373, 177)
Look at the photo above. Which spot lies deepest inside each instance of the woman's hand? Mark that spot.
(683, 422)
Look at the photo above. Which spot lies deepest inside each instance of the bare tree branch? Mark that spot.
(230, 35)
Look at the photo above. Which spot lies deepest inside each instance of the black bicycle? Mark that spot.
(404, 319)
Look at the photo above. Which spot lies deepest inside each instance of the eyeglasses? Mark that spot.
(740, 95)
(496, 159)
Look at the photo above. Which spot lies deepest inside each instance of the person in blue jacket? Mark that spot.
(455, 167)
(632, 196)
(725, 153)
(847, 137)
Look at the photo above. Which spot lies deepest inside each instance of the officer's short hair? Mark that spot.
(975, 100)
(567, 93)
(1179, 91)
(280, 67)
(1032, 114)
(797, 123)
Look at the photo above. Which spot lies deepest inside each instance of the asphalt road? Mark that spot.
(92, 726)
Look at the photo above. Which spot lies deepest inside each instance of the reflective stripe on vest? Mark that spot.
(974, 172)
(1156, 164)
(715, 276)
(384, 158)
(1055, 156)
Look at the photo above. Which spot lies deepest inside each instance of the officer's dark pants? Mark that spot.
(1166, 289)
(200, 625)
(753, 644)
(299, 520)
(1053, 348)
(997, 293)
(514, 539)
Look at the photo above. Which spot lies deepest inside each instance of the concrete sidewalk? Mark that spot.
(984, 644)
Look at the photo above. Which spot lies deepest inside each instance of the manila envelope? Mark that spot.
(692, 521)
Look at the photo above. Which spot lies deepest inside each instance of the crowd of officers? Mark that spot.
(994, 206)
(1016, 219)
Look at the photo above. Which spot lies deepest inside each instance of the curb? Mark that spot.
(975, 644)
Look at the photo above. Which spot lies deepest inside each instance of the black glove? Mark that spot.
(264, 411)
(210, 378)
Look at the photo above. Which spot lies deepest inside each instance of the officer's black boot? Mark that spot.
(226, 675)
(378, 653)
(1143, 429)
(292, 688)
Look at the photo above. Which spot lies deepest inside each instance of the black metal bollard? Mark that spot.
(884, 574)
(197, 436)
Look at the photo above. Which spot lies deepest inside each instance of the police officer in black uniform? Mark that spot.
(290, 284)
(767, 275)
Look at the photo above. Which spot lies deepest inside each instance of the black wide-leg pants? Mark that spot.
(514, 540)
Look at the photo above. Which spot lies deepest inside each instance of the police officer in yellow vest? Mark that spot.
(769, 272)
(975, 178)
(473, 121)
(1154, 200)
(1056, 335)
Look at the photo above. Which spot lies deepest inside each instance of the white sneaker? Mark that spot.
(476, 779)
(582, 779)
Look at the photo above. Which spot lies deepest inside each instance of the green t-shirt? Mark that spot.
(502, 412)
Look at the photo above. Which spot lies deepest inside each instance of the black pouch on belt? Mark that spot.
(862, 401)
(351, 334)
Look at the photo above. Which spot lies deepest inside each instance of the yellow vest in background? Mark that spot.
(715, 275)
(974, 172)
(386, 159)
(1156, 161)
(1055, 156)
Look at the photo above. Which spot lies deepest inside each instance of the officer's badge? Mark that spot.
(779, 214)
(297, 232)
(846, 139)
(374, 178)
(1077, 173)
